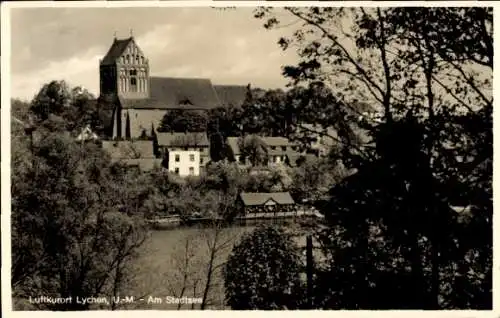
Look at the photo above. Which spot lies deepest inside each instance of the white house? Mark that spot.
(184, 162)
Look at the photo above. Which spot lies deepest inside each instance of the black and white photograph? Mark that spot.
(226, 157)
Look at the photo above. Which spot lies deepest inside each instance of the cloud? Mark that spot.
(230, 47)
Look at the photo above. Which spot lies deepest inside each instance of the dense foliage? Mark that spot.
(180, 120)
(69, 236)
(392, 225)
(263, 272)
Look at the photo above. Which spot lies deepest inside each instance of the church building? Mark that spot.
(140, 101)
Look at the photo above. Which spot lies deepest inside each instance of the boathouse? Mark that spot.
(266, 205)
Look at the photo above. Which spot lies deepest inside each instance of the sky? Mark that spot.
(227, 46)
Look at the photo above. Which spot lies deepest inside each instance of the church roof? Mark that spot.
(175, 93)
(231, 95)
(116, 50)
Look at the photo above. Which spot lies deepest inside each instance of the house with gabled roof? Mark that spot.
(184, 153)
(280, 150)
(269, 204)
(140, 101)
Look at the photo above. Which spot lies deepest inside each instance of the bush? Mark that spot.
(263, 272)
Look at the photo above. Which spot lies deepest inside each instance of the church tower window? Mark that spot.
(133, 84)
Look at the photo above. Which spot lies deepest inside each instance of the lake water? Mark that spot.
(177, 260)
(175, 263)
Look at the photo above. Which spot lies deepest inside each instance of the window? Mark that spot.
(177, 158)
(283, 148)
(133, 72)
(191, 157)
(273, 147)
(201, 149)
(176, 170)
(127, 59)
(191, 170)
(201, 160)
(137, 59)
(133, 84)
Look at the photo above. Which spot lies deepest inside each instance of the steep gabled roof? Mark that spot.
(231, 95)
(260, 198)
(175, 93)
(116, 50)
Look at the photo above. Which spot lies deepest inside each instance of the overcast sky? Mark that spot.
(229, 47)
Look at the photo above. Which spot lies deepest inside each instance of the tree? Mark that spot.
(218, 147)
(262, 272)
(421, 70)
(53, 98)
(313, 178)
(180, 120)
(69, 239)
(224, 120)
(75, 106)
(253, 148)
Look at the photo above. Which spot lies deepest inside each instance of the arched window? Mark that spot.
(133, 84)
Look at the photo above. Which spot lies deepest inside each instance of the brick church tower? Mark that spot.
(124, 71)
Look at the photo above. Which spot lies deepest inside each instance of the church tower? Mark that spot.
(124, 71)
